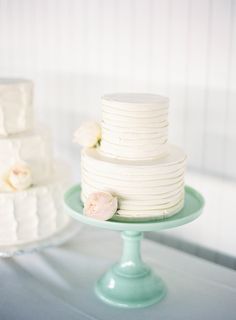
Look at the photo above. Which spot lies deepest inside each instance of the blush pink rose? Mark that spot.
(19, 177)
(101, 205)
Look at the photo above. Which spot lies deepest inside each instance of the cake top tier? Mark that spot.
(134, 126)
(9, 81)
(16, 114)
(139, 100)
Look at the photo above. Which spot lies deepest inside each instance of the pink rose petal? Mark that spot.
(101, 205)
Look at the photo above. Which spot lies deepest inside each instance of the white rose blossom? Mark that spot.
(88, 134)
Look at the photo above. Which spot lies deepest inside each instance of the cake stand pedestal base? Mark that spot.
(130, 283)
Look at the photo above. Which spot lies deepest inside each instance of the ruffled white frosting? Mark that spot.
(134, 126)
(16, 111)
(151, 188)
(35, 213)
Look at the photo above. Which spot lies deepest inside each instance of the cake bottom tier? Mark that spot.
(33, 214)
(145, 189)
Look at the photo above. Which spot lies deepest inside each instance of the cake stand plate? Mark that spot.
(58, 238)
(131, 283)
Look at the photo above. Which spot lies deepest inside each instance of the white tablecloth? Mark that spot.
(58, 283)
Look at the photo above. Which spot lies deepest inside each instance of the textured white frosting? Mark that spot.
(33, 148)
(16, 111)
(35, 213)
(150, 188)
(134, 126)
(25, 158)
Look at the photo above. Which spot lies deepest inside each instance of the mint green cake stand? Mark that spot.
(131, 283)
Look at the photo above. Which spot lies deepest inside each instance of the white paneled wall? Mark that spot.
(75, 50)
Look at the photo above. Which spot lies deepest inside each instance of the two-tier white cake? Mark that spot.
(31, 184)
(134, 160)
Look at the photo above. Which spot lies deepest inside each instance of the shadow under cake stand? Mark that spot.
(131, 283)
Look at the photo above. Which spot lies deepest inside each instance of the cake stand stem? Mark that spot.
(130, 283)
(131, 263)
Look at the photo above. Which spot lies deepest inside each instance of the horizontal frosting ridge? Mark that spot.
(125, 116)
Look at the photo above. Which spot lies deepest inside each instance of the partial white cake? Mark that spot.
(35, 213)
(134, 161)
(16, 111)
(31, 185)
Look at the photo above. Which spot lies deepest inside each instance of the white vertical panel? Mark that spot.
(160, 46)
(198, 41)
(94, 36)
(178, 66)
(124, 46)
(217, 82)
(141, 42)
(230, 121)
(108, 38)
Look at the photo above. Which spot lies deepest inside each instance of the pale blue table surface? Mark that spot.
(58, 283)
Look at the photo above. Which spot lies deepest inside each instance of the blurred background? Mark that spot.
(77, 50)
